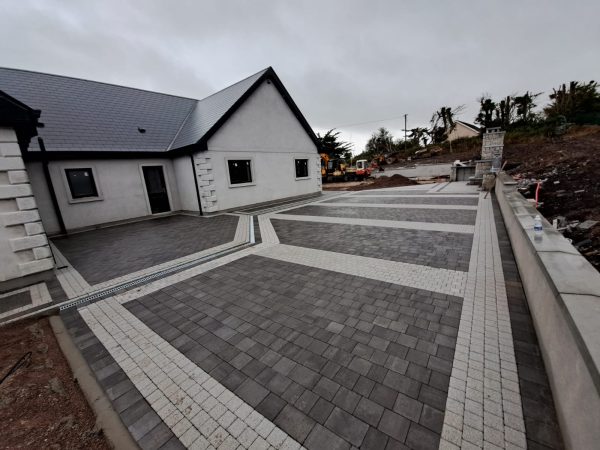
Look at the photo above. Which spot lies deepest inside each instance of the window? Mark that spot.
(301, 168)
(240, 171)
(81, 183)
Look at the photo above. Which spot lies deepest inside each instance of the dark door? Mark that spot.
(156, 188)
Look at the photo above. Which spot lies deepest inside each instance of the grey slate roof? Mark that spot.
(209, 110)
(82, 115)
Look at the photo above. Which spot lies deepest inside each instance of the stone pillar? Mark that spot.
(206, 184)
(491, 152)
(318, 172)
(24, 247)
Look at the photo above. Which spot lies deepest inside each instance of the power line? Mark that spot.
(365, 123)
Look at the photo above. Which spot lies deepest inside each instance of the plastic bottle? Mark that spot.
(537, 224)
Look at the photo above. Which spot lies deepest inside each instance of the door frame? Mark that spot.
(145, 188)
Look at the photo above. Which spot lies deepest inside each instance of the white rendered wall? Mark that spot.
(24, 247)
(184, 176)
(121, 189)
(265, 130)
(42, 197)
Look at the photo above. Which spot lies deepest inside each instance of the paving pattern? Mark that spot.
(438, 216)
(427, 226)
(421, 199)
(484, 402)
(24, 299)
(347, 365)
(329, 335)
(541, 424)
(108, 253)
(427, 248)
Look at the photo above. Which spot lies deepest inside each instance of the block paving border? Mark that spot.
(484, 401)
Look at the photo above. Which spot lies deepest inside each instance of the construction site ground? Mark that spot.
(41, 406)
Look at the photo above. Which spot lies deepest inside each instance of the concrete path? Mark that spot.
(345, 327)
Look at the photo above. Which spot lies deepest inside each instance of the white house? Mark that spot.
(463, 130)
(109, 153)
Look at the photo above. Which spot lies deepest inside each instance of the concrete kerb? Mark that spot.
(107, 419)
(563, 293)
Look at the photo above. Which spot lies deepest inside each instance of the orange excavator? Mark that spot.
(333, 169)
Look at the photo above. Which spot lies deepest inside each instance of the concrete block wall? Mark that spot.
(563, 294)
(206, 184)
(24, 247)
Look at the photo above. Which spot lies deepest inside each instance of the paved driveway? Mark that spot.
(107, 253)
(361, 326)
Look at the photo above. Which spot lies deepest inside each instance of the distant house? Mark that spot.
(109, 153)
(463, 130)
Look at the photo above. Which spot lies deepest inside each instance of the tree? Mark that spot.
(334, 147)
(419, 135)
(486, 112)
(524, 106)
(504, 112)
(580, 103)
(381, 142)
(443, 122)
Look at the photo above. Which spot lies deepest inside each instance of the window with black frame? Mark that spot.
(240, 171)
(81, 183)
(301, 168)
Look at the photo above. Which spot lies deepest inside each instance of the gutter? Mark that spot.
(196, 184)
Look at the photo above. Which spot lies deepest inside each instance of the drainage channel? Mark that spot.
(154, 276)
(142, 280)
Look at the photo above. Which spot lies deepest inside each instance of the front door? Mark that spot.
(156, 188)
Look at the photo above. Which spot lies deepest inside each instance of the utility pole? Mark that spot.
(405, 132)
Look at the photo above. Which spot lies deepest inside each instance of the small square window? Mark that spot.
(240, 171)
(301, 168)
(81, 183)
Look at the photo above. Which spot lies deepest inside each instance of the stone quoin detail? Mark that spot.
(27, 251)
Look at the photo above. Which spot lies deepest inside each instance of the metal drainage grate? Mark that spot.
(155, 275)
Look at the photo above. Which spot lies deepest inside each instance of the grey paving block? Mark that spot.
(369, 411)
(251, 392)
(408, 407)
(466, 217)
(384, 396)
(374, 440)
(394, 425)
(321, 438)
(326, 388)
(294, 422)
(306, 401)
(107, 253)
(420, 438)
(347, 426)
(432, 418)
(156, 437)
(402, 384)
(321, 410)
(144, 424)
(432, 248)
(346, 399)
(271, 406)
(433, 397)
(364, 386)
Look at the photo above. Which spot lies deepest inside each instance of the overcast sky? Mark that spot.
(344, 62)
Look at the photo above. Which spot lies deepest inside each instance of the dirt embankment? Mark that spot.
(569, 170)
(372, 183)
(41, 406)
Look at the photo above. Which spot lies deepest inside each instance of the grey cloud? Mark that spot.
(342, 61)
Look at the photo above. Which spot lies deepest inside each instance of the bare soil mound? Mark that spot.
(383, 182)
(41, 406)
